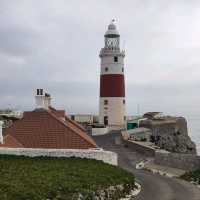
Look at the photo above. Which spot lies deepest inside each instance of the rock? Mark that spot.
(171, 134)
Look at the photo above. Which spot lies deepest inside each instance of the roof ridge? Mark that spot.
(87, 138)
(75, 123)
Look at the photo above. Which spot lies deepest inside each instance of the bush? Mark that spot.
(192, 176)
(41, 178)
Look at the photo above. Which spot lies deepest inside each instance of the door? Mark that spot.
(106, 120)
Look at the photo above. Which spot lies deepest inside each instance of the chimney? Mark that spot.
(47, 100)
(43, 100)
(1, 132)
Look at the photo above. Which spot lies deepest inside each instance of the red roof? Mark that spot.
(47, 129)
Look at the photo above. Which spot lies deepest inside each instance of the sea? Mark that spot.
(193, 122)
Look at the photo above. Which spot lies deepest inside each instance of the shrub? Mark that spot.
(41, 178)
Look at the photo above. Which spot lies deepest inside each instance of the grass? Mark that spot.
(193, 176)
(42, 178)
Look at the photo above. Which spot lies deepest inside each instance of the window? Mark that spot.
(122, 69)
(124, 101)
(106, 69)
(115, 59)
(124, 118)
(105, 108)
(105, 102)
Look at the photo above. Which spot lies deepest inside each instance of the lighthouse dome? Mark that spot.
(112, 30)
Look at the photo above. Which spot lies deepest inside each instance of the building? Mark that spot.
(45, 127)
(112, 85)
(83, 118)
(11, 114)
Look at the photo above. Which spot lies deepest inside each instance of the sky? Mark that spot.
(55, 45)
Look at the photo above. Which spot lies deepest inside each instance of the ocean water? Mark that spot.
(193, 122)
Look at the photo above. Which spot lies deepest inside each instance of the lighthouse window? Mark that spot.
(122, 69)
(105, 102)
(106, 69)
(124, 101)
(115, 59)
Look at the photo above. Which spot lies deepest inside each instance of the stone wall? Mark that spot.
(177, 160)
(148, 151)
(97, 154)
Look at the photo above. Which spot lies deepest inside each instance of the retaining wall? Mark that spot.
(97, 154)
(177, 160)
(99, 131)
(148, 151)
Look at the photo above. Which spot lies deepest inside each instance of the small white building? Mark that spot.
(83, 118)
(11, 113)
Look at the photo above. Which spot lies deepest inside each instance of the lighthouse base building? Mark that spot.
(112, 84)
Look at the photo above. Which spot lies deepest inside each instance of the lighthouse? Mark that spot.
(112, 86)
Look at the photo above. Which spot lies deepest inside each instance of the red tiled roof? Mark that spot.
(45, 129)
(10, 141)
(61, 114)
(58, 113)
(67, 119)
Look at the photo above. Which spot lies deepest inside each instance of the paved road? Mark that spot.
(154, 187)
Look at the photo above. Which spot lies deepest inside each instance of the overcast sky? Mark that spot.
(55, 45)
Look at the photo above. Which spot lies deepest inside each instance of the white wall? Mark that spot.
(97, 154)
(84, 118)
(113, 67)
(100, 131)
(115, 111)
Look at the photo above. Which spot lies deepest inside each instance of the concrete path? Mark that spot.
(154, 186)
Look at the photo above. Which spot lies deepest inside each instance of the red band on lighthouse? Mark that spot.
(112, 85)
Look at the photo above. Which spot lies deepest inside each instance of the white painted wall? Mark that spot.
(100, 131)
(42, 101)
(97, 154)
(113, 67)
(84, 118)
(115, 110)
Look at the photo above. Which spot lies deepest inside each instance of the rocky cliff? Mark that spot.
(171, 134)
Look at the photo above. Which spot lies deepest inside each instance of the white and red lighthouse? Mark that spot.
(112, 85)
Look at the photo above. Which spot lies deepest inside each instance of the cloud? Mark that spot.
(55, 45)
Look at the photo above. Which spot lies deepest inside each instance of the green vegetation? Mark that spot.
(42, 178)
(193, 176)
